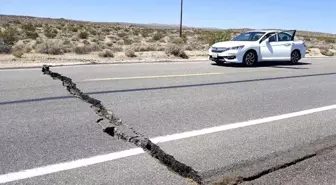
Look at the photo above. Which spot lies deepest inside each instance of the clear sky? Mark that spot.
(309, 15)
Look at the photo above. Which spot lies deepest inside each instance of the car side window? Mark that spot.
(273, 38)
(267, 36)
(284, 37)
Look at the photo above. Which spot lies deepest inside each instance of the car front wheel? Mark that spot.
(250, 58)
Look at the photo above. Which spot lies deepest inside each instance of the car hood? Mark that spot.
(232, 43)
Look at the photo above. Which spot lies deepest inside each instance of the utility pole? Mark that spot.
(181, 18)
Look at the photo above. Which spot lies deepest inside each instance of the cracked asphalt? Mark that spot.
(42, 125)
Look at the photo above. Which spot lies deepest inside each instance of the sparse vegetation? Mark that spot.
(327, 53)
(50, 32)
(130, 52)
(59, 36)
(83, 35)
(107, 53)
(175, 50)
(18, 54)
(213, 37)
(53, 47)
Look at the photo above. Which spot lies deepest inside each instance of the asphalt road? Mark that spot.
(41, 125)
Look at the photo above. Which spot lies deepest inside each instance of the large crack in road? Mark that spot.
(115, 127)
(245, 171)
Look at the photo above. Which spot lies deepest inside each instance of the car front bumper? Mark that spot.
(235, 56)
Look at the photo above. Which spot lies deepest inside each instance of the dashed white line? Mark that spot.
(34, 172)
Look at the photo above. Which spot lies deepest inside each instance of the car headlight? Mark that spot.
(237, 47)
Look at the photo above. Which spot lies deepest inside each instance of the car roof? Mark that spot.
(266, 31)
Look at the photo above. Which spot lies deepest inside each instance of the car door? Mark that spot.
(283, 45)
(266, 49)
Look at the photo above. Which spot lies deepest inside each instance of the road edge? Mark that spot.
(250, 170)
(108, 63)
(129, 62)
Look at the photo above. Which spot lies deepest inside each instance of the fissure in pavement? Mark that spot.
(115, 127)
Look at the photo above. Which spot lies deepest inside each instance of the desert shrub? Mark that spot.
(127, 41)
(22, 46)
(178, 41)
(50, 32)
(101, 37)
(136, 32)
(121, 34)
(130, 52)
(31, 34)
(106, 30)
(147, 47)
(327, 53)
(175, 50)
(145, 32)
(28, 27)
(18, 54)
(109, 44)
(82, 50)
(157, 36)
(94, 40)
(117, 49)
(83, 35)
(86, 49)
(53, 47)
(5, 48)
(73, 28)
(93, 32)
(107, 53)
(213, 37)
(9, 36)
(86, 42)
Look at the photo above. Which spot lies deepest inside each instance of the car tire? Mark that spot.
(250, 58)
(295, 57)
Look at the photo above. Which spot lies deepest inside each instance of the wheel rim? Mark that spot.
(250, 58)
(295, 57)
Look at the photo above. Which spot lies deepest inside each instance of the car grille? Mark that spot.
(218, 50)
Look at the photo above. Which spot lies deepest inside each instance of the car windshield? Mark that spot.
(249, 36)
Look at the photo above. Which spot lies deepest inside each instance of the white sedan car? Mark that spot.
(258, 46)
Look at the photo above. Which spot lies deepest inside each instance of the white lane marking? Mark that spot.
(149, 77)
(34, 172)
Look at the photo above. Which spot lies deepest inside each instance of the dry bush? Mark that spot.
(86, 49)
(157, 36)
(86, 42)
(22, 46)
(31, 34)
(127, 41)
(50, 32)
(81, 50)
(5, 49)
(83, 35)
(213, 37)
(28, 27)
(109, 44)
(18, 54)
(130, 52)
(121, 34)
(53, 47)
(117, 49)
(327, 53)
(9, 35)
(93, 32)
(144, 47)
(178, 41)
(175, 50)
(107, 53)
